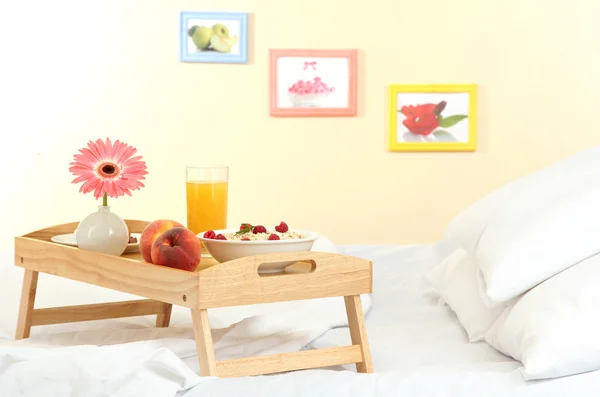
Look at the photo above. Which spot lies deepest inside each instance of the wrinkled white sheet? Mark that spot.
(418, 349)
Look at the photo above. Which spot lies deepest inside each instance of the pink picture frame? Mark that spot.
(313, 83)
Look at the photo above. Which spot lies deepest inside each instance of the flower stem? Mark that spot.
(105, 200)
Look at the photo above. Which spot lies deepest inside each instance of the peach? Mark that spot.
(151, 233)
(177, 247)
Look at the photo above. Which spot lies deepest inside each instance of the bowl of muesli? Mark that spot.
(229, 244)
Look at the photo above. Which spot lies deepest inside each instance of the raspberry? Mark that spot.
(245, 226)
(274, 237)
(209, 234)
(220, 237)
(259, 229)
(282, 227)
(245, 239)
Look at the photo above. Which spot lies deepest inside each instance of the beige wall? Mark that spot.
(77, 70)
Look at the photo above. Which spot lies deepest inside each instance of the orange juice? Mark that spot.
(206, 205)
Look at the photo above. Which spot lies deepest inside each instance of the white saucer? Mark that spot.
(69, 239)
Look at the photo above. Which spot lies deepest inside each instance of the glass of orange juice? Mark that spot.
(207, 188)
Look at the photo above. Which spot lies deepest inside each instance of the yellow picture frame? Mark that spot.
(417, 122)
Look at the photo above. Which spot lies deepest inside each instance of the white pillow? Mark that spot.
(533, 227)
(467, 227)
(455, 280)
(554, 329)
(547, 229)
(323, 244)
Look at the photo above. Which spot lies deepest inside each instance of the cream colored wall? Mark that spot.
(72, 71)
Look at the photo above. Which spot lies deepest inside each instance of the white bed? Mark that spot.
(419, 349)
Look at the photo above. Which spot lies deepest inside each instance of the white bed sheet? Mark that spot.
(418, 347)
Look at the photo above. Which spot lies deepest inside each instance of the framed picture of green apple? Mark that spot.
(432, 118)
(214, 37)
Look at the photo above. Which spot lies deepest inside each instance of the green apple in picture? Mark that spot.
(201, 36)
(231, 41)
(223, 44)
(220, 30)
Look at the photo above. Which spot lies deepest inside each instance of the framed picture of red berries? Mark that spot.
(313, 83)
(426, 118)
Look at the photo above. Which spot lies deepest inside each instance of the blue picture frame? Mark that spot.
(209, 55)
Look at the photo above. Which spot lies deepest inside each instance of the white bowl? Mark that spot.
(227, 250)
(308, 100)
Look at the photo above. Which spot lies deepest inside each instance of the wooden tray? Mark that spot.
(233, 283)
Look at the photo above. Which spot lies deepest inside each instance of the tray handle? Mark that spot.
(319, 260)
(238, 282)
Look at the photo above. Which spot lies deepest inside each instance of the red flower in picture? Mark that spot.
(421, 119)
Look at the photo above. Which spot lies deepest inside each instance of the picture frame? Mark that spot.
(313, 83)
(432, 117)
(213, 37)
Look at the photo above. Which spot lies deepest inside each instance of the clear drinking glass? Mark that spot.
(207, 188)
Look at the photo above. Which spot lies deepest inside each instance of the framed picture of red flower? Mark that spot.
(430, 118)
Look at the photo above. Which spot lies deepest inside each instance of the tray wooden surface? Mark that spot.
(232, 283)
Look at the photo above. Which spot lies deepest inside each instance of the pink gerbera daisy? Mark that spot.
(108, 169)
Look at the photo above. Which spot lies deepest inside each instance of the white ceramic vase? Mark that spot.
(103, 231)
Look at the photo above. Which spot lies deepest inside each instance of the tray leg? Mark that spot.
(164, 315)
(358, 331)
(29, 287)
(204, 344)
